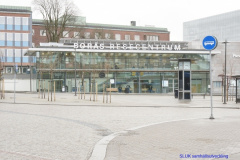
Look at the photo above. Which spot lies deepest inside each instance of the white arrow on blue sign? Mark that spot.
(209, 42)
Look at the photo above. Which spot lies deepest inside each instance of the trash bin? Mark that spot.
(63, 88)
(176, 93)
(127, 90)
(74, 89)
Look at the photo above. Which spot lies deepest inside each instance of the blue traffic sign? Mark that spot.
(209, 42)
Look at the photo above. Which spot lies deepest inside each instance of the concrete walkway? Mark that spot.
(187, 139)
(132, 126)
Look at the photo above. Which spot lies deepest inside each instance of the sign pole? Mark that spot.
(210, 43)
(211, 117)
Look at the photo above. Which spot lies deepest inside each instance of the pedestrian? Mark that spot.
(120, 89)
(150, 88)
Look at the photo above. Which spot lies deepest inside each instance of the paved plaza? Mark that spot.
(132, 127)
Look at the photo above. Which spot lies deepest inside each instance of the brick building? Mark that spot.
(84, 30)
(15, 37)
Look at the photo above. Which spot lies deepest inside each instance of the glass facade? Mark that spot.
(223, 26)
(14, 23)
(142, 72)
(15, 39)
(16, 55)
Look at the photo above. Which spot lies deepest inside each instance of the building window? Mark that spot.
(9, 55)
(151, 38)
(43, 33)
(17, 39)
(127, 37)
(9, 23)
(9, 39)
(217, 84)
(25, 42)
(98, 36)
(2, 55)
(33, 32)
(65, 34)
(2, 23)
(33, 45)
(107, 36)
(117, 37)
(17, 25)
(136, 37)
(18, 55)
(25, 58)
(76, 35)
(8, 69)
(24, 69)
(2, 39)
(25, 23)
(87, 35)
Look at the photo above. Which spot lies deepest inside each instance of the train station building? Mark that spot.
(141, 66)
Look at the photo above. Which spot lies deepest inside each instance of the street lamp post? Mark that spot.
(75, 74)
(225, 71)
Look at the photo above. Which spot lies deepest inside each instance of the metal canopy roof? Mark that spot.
(32, 51)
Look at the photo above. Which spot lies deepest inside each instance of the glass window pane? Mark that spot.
(136, 37)
(8, 69)
(25, 23)
(9, 23)
(2, 39)
(17, 23)
(17, 52)
(2, 20)
(25, 39)
(107, 36)
(17, 39)
(117, 37)
(180, 80)
(187, 96)
(25, 20)
(76, 35)
(65, 34)
(18, 55)
(186, 80)
(9, 39)
(2, 23)
(9, 55)
(42, 32)
(127, 37)
(10, 52)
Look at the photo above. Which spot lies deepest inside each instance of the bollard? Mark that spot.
(84, 84)
(96, 91)
(79, 90)
(110, 91)
(44, 89)
(54, 90)
(90, 90)
(103, 91)
(48, 90)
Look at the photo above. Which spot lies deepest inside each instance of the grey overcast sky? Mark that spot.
(168, 14)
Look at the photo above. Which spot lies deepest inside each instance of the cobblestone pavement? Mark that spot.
(68, 129)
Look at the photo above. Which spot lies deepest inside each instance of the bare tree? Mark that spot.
(57, 15)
